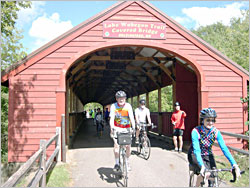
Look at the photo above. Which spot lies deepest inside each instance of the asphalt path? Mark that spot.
(92, 160)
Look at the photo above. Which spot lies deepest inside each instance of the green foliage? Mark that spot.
(233, 40)
(58, 177)
(167, 99)
(4, 124)
(92, 106)
(11, 52)
(242, 161)
(11, 49)
(9, 15)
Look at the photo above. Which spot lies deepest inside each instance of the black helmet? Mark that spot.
(176, 104)
(120, 94)
(207, 113)
(142, 101)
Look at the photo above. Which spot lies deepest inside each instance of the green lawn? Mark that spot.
(59, 176)
(242, 161)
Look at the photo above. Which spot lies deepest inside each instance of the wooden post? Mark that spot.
(58, 143)
(132, 101)
(42, 182)
(63, 139)
(67, 113)
(160, 114)
(147, 99)
(174, 84)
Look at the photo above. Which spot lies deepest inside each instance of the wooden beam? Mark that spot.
(137, 58)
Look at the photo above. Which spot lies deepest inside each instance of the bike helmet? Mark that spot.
(120, 94)
(207, 113)
(142, 101)
(177, 104)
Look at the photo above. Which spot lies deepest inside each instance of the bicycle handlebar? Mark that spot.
(146, 125)
(226, 170)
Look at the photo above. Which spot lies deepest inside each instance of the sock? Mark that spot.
(117, 161)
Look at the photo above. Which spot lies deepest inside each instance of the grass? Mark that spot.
(59, 176)
(242, 161)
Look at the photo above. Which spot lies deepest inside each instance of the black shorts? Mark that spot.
(208, 161)
(178, 132)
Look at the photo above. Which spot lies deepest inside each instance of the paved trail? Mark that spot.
(92, 162)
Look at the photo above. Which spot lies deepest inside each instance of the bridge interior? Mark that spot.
(135, 69)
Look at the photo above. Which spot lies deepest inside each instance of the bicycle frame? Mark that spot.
(123, 162)
(213, 177)
(144, 142)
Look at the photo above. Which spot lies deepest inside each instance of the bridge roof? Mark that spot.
(15, 68)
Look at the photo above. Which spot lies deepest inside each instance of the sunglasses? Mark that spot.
(210, 120)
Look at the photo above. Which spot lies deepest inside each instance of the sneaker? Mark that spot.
(137, 140)
(175, 150)
(116, 167)
(180, 150)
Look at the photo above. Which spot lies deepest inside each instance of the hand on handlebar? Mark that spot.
(237, 170)
(203, 170)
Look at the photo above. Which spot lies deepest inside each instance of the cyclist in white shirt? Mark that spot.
(142, 114)
(121, 120)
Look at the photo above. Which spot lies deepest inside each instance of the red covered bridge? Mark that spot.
(130, 46)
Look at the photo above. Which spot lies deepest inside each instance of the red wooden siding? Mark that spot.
(34, 88)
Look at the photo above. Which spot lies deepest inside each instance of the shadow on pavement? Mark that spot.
(108, 175)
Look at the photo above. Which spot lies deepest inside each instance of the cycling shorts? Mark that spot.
(208, 161)
(178, 132)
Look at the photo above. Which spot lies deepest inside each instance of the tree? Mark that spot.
(233, 40)
(11, 52)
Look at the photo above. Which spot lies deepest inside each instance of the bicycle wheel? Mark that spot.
(146, 148)
(125, 171)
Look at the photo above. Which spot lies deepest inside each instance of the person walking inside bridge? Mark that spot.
(121, 120)
(177, 120)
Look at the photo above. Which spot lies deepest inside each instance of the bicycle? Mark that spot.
(144, 145)
(213, 180)
(123, 139)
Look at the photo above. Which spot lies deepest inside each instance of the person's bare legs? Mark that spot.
(180, 143)
(175, 142)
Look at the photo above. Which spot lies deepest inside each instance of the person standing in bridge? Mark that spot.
(177, 120)
(121, 120)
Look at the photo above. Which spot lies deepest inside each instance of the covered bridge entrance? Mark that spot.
(131, 46)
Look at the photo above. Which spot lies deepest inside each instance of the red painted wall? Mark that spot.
(33, 107)
(187, 96)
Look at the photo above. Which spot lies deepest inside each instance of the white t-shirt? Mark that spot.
(141, 114)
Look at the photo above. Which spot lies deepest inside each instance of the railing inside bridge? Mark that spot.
(44, 166)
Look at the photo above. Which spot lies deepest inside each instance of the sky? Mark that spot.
(46, 20)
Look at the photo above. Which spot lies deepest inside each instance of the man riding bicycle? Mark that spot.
(121, 120)
(142, 114)
(200, 155)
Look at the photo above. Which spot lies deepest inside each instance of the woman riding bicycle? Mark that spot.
(200, 155)
(142, 114)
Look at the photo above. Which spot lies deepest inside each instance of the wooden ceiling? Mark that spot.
(136, 70)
